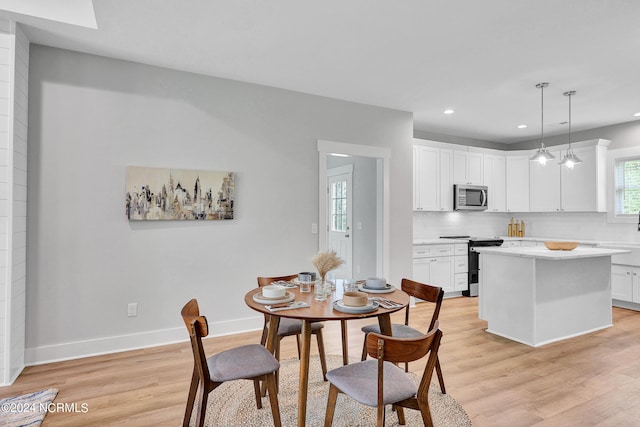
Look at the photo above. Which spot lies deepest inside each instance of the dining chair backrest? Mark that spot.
(198, 327)
(433, 294)
(192, 319)
(400, 350)
(264, 281)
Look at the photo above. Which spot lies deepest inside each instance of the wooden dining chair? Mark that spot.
(251, 362)
(292, 327)
(432, 294)
(379, 382)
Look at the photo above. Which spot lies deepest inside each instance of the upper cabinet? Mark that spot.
(544, 185)
(426, 176)
(514, 183)
(467, 167)
(432, 178)
(495, 179)
(583, 188)
(517, 183)
(556, 188)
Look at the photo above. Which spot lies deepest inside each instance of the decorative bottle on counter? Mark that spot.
(510, 228)
(522, 229)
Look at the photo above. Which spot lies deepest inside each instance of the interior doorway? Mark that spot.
(378, 233)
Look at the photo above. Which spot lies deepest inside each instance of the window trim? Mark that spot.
(614, 156)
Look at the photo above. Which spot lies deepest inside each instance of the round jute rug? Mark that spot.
(233, 403)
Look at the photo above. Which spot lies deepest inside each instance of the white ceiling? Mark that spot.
(480, 58)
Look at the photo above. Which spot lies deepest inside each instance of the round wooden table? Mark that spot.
(321, 311)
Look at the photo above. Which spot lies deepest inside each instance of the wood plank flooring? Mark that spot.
(585, 381)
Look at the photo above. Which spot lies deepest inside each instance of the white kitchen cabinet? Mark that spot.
(583, 188)
(555, 188)
(432, 178)
(426, 174)
(435, 271)
(460, 282)
(446, 180)
(544, 185)
(517, 183)
(467, 167)
(625, 283)
(443, 265)
(494, 168)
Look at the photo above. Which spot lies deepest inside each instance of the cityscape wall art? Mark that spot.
(178, 194)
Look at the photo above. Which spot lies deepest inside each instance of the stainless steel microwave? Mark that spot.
(470, 197)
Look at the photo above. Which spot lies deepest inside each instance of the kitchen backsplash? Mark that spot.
(565, 225)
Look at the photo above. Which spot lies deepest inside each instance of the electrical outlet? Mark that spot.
(314, 228)
(132, 309)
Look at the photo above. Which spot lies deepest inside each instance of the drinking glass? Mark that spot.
(305, 282)
(349, 285)
(320, 292)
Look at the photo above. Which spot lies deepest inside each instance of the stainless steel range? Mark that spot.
(473, 258)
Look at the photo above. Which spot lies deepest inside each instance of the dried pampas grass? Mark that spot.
(325, 262)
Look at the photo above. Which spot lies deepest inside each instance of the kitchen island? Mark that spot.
(536, 296)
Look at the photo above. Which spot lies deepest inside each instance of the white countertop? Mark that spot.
(544, 253)
(437, 241)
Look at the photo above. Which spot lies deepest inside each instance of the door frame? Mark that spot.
(383, 157)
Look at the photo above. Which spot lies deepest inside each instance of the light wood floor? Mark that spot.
(589, 380)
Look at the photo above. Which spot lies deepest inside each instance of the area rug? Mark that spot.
(233, 403)
(26, 410)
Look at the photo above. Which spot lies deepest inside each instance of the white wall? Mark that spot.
(90, 117)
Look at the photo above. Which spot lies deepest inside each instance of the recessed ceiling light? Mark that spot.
(636, 115)
(449, 111)
(522, 126)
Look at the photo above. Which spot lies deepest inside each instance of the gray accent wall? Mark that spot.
(90, 117)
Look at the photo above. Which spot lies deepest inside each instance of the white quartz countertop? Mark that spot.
(544, 253)
(437, 241)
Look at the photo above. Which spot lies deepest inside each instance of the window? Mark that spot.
(627, 185)
(339, 206)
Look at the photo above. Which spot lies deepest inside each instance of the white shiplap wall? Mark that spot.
(14, 66)
(19, 215)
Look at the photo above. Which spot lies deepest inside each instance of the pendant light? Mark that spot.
(541, 155)
(570, 159)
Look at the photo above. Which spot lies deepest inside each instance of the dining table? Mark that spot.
(318, 311)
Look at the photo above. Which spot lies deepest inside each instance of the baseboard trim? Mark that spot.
(119, 343)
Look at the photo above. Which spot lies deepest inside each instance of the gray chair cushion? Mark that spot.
(398, 330)
(294, 326)
(360, 381)
(241, 363)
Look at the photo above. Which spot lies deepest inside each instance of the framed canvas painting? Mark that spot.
(178, 194)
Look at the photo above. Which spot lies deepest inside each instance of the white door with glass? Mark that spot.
(340, 197)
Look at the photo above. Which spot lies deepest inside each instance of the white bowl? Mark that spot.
(273, 291)
(376, 283)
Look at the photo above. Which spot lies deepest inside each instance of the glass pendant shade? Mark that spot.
(542, 155)
(570, 159)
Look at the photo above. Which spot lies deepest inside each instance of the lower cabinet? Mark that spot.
(625, 283)
(445, 266)
(436, 271)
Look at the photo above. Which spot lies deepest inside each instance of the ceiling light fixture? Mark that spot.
(542, 154)
(636, 115)
(522, 126)
(449, 111)
(570, 159)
